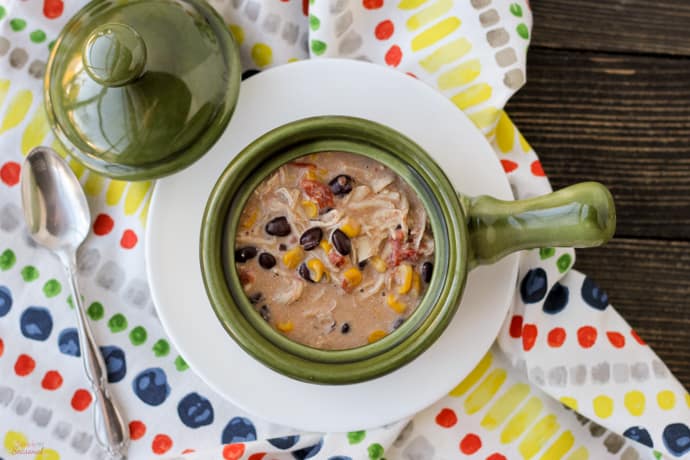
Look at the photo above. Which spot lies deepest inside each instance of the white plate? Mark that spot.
(273, 98)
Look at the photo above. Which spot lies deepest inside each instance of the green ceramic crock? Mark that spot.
(139, 89)
(467, 232)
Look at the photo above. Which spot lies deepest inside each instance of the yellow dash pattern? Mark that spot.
(57, 146)
(473, 376)
(484, 118)
(560, 447)
(435, 33)
(47, 454)
(687, 399)
(666, 399)
(135, 196)
(94, 184)
(445, 54)
(35, 131)
(15, 442)
(523, 143)
(77, 168)
(505, 133)
(522, 419)
(570, 402)
(17, 110)
(262, 54)
(143, 216)
(634, 401)
(538, 436)
(486, 390)
(579, 454)
(603, 406)
(474, 95)
(429, 14)
(411, 4)
(460, 75)
(4, 89)
(505, 405)
(114, 192)
(237, 32)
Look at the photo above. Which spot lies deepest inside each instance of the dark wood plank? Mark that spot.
(621, 120)
(661, 26)
(648, 281)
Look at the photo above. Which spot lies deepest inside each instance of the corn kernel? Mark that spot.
(404, 278)
(379, 264)
(250, 220)
(351, 228)
(378, 334)
(318, 268)
(311, 209)
(293, 257)
(310, 174)
(395, 304)
(326, 246)
(416, 283)
(352, 278)
(286, 326)
(322, 173)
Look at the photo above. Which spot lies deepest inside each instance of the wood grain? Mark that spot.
(630, 26)
(620, 120)
(648, 282)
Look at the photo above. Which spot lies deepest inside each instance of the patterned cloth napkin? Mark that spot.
(566, 378)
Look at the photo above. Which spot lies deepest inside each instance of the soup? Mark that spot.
(334, 250)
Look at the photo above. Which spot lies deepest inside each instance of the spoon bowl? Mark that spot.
(55, 208)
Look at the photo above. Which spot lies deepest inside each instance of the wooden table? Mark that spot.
(608, 99)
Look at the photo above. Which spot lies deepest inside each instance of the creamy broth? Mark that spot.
(334, 250)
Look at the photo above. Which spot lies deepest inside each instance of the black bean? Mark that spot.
(278, 226)
(341, 185)
(303, 271)
(345, 328)
(311, 238)
(341, 242)
(265, 312)
(398, 322)
(254, 298)
(427, 268)
(282, 247)
(266, 260)
(244, 254)
(362, 264)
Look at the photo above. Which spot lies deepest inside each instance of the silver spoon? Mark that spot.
(57, 217)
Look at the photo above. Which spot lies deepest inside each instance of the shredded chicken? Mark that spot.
(291, 294)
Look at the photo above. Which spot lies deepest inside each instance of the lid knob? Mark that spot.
(114, 54)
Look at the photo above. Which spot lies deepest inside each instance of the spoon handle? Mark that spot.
(111, 431)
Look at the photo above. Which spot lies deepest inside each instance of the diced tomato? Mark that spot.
(336, 259)
(318, 192)
(346, 286)
(246, 277)
(400, 252)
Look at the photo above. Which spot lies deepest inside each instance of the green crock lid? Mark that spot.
(140, 89)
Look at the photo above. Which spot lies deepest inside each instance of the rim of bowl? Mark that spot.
(333, 133)
(177, 160)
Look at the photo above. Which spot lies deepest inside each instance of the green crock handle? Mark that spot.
(580, 216)
(114, 54)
